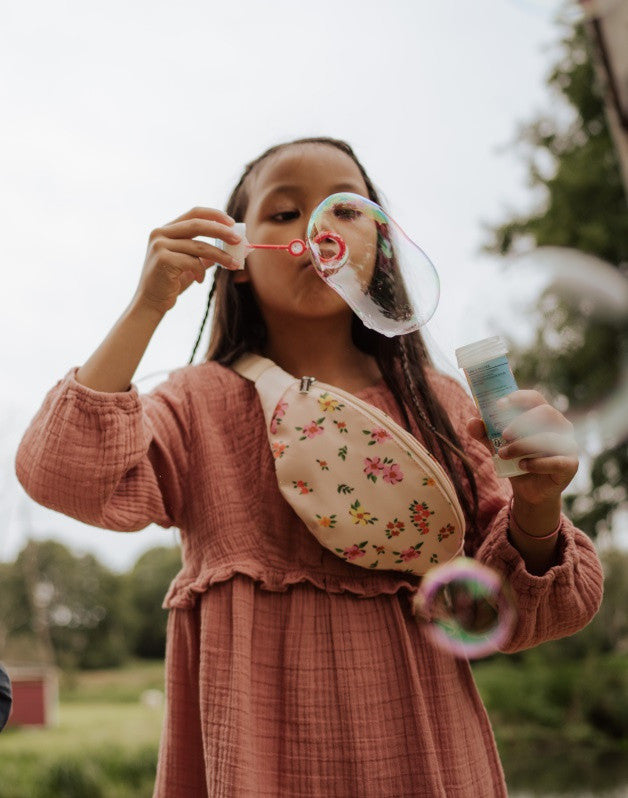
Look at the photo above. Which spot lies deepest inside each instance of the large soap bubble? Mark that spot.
(583, 303)
(469, 610)
(363, 254)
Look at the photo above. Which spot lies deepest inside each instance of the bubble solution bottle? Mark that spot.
(486, 367)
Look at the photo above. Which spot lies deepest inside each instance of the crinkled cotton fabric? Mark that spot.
(289, 672)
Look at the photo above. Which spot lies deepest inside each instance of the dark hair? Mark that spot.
(238, 327)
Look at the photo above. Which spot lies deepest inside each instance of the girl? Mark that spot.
(291, 672)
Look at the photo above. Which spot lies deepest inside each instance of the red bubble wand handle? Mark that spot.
(298, 247)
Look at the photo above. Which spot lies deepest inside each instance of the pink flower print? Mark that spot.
(373, 468)
(279, 447)
(278, 414)
(392, 474)
(353, 552)
(312, 429)
(408, 554)
(379, 435)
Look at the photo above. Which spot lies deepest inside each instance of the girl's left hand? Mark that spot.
(537, 429)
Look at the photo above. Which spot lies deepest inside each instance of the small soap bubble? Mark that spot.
(363, 254)
(469, 610)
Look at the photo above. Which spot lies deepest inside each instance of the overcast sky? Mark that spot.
(118, 117)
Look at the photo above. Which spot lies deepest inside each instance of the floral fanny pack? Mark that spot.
(365, 487)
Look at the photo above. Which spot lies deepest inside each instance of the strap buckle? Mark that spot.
(306, 384)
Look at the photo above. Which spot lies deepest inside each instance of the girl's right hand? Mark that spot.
(174, 259)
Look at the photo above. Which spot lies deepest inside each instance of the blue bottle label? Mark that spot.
(490, 381)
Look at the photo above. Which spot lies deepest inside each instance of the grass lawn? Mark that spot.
(85, 726)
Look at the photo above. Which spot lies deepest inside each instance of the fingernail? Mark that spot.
(230, 219)
(507, 435)
(235, 264)
(503, 402)
(503, 452)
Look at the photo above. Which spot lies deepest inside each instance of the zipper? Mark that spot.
(404, 439)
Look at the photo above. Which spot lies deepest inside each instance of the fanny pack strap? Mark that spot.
(270, 381)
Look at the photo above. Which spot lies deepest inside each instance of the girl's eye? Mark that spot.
(285, 216)
(346, 212)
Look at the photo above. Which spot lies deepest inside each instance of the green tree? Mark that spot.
(145, 588)
(68, 606)
(575, 357)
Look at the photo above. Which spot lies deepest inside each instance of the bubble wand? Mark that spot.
(296, 247)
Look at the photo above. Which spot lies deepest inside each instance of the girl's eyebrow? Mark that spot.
(296, 188)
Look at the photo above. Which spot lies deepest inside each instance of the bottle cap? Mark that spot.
(237, 251)
(481, 351)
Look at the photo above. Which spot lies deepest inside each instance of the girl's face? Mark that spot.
(283, 191)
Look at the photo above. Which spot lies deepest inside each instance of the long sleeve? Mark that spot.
(566, 597)
(112, 460)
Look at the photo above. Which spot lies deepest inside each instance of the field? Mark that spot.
(104, 746)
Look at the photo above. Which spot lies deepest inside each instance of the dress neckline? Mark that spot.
(381, 382)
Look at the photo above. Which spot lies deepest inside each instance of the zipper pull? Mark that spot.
(306, 384)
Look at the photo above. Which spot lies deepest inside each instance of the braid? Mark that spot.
(447, 437)
(212, 291)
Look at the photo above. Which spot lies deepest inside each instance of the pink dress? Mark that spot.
(289, 672)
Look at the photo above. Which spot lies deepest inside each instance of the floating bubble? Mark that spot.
(469, 609)
(363, 254)
(582, 310)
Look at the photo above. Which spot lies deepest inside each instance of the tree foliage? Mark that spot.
(145, 587)
(576, 358)
(70, 609)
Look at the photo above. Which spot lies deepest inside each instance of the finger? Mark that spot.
(521, 400)
(558, 465)
(546, 443)
(199, 227)
(213, 214)
(183, 263)
(477, 430)
(200, 249)
(541, 418)
(186, 279)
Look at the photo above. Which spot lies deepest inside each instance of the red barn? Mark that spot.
(35, 695)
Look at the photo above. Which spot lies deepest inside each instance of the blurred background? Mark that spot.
(496, 132)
